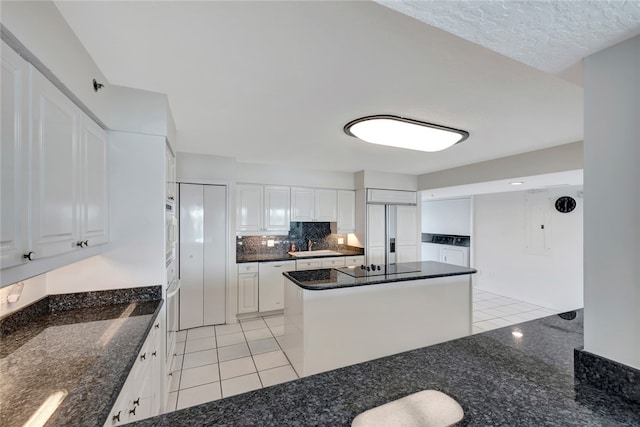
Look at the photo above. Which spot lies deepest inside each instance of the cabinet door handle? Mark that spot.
(143, 356)
(30, 256)
(277, 266)
(133, 411)
(157, 325)
(136, 402)
(85, 243)
(116, 417)
(154, 355)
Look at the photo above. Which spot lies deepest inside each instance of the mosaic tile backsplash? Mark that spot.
(298, 239)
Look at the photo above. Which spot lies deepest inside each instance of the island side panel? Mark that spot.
(291, 341)
(345, 326)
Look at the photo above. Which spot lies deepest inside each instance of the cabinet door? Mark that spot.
(249, 207)
(191, 256)
(346, 211)
(55, 163)
(271, 286)
(277, 206)
(375, 255)
(453, 256)
(407, 253)
(326, 205)
(406, 226)
(247, 293)
(14, 140)
(302, 208)
(376, 226)
(94, 205)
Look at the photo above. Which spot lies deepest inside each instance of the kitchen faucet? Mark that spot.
(309, 244)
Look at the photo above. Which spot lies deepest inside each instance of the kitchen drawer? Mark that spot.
(333, 262)
(354, 260)
(249, 267)
(308, 264)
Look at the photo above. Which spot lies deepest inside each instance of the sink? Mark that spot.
(321, 252)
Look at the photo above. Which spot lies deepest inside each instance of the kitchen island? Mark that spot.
(339, 317)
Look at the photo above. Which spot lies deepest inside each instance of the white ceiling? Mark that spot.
(275, 82)
(550, 35)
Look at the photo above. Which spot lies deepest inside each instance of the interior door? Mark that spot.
(191, 256)
(215, 250)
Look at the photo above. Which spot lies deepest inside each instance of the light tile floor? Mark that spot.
(220, 361)
(492, 311)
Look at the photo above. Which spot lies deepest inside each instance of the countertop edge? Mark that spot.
(288, 257)
(370, 281)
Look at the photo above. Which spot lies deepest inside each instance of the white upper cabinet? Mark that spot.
(249, 207)
(302, 204)
(309, 204)
(326, 205)
(54, 171)
(346, 211)
(276, 208)
(54, 159)
(14, 139)
(94, 208)
(262, 208)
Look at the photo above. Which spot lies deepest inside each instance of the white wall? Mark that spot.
(135, 255)
(452, 216)
(34, 289)
(40, 27)
(611, 182)
(294, 176)
(567, 157)
(507, 268)
(385, 180)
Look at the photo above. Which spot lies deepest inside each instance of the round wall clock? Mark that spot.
(565, 204)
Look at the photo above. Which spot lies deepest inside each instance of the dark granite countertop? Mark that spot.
(73, 346)
(498, 379)
(324, 279)
(286, 257)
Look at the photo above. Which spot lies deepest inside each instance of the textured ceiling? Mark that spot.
(548, 35)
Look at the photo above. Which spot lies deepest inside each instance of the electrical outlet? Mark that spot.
(270, 243)
(340, 240)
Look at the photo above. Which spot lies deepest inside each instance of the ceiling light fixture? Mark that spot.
(516, 183)
(401, 132)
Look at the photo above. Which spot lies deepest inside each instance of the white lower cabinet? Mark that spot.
(271, 285)
(354, 260)
(308, 264)
(333, 262)
(142, 395)
(247, 293)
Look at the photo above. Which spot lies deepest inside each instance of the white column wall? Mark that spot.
(135, 254)
(612, 198)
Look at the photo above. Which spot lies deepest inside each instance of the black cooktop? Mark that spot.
(379, 270)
